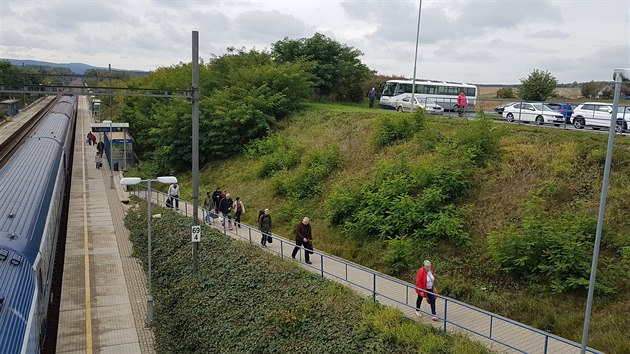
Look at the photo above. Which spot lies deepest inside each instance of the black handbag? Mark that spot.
(269, 239)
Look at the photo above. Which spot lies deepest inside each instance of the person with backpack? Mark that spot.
(216, 198)
(225, 206)
(239, 209)
(264, 225)
(461, 103)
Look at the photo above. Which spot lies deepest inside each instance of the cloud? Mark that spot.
(69, 16)
(269, 26)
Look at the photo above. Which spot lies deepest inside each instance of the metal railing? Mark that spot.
(453, 315)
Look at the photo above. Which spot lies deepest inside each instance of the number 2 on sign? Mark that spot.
(195, 232)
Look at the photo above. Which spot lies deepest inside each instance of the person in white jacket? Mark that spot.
(173, 194)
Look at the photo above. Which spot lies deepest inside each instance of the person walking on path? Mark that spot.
(216, 198)
(173, 194)
(208, 205)
(264, 225)
(372, 97)
(93, 139)
(100, 147)
(98, 160)
(303, 237)
(425, 282)
(89, 138)
(461, 103)
(225, 206)
(239, 209)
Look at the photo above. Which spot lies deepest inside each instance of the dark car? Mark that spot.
(565, 108)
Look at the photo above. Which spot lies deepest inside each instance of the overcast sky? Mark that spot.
(477, 41)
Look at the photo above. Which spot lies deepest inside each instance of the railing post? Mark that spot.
(250, 235)
(374, 287)
(491, 318)
(224, 226)
(445, 306)
(281, 248)
(321, 264)
(546, 344)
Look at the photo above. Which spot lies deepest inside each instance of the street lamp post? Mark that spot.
(127, 181)
(111, 158)
(618, 75)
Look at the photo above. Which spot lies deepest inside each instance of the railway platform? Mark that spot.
(103, 296)
(7, 129)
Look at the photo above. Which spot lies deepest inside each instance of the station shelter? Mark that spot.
(118, 142)
(9, 107)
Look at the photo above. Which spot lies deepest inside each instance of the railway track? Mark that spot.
(9, 146)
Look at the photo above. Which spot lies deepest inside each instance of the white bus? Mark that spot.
(444, 93)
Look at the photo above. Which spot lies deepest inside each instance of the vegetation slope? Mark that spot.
(506, 213)
(245, 300)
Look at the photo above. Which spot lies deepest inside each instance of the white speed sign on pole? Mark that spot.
(195, 232)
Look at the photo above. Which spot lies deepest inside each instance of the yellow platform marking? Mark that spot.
(86, 250)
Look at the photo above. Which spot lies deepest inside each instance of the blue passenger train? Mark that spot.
(32, 186)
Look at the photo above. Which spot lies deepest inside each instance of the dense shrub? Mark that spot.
(546, 252)
(403, 200)
(505, 92)
(274, 153)
(391, 128)
(306, 181)
(399, 255)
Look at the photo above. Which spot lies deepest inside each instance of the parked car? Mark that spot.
(598, 114)
(532, 112)
(499, 109)
(427, 104)
(565, 108)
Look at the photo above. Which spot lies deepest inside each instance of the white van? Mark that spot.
(598, 115)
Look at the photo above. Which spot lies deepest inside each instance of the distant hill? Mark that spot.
(76, 68)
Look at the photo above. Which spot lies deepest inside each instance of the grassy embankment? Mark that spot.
(245, 300)
(562, 167)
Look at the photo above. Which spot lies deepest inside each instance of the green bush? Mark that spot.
(306, 181)
(505, 92)
(399, 254)
(403, 200)
(548, 253)
(391, 128)
(274, 153)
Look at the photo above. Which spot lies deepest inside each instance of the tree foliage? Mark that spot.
(339, 72)
(590, 89)
(242, 96)
(538, 86)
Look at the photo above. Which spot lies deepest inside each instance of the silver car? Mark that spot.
(427, 104)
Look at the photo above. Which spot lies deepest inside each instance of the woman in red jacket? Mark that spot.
(425, 280)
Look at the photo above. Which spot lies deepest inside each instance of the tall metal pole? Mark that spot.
(24, 87)
(111, 136)
(195, 139)
(111, 158)
(149, 287)
(602, 210)
(415, 58)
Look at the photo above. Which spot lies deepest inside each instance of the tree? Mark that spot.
(590, 89)
(538, 86)
(338, 70)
